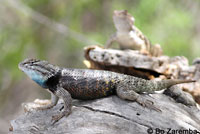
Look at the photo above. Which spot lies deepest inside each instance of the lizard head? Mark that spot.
(123, 20)
(38, 70)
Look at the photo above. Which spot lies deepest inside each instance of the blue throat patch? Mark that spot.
(37, 77)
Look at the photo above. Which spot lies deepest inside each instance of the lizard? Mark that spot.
(129, 36)
(88, 84)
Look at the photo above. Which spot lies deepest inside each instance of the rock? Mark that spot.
(180, 96)
(109, 115)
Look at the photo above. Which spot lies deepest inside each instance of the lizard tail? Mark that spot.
(159, 85)
(177, 81)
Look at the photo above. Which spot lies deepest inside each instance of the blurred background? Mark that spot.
(57, 31)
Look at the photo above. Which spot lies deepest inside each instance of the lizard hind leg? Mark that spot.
(128, 94)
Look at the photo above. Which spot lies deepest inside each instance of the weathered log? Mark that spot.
(134, 63)
(110, 115)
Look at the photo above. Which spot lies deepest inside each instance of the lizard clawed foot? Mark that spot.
(144, 52)
(45, 107)
(44, 104)
(147, 103)
(56, 118)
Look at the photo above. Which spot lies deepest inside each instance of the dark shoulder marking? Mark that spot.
(53, 81)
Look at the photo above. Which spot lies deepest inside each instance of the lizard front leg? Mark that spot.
(111, 40)
(63, 94)
(129, 94)
(54, 101)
